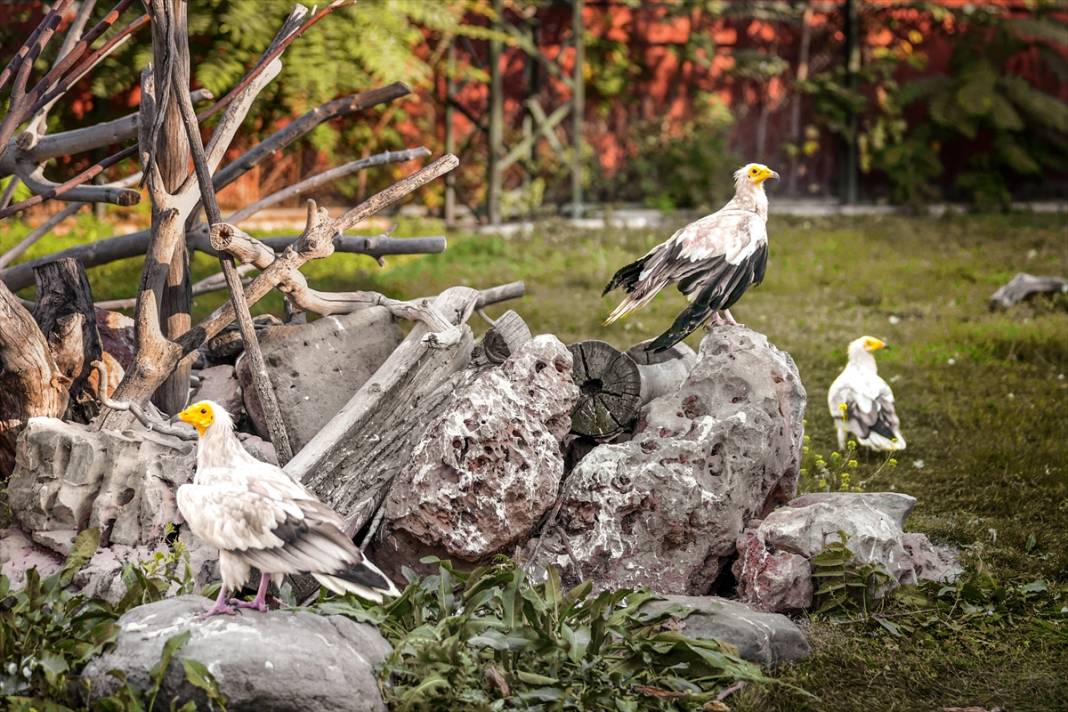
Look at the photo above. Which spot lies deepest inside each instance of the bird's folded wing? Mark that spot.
(866, 412)
(269, 527)
(706, 250)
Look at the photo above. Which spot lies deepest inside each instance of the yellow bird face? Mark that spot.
(199, 415)
(758, 173)
(873, 344)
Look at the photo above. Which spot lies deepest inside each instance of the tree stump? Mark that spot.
(30, 382)
(67, 317)
(611, 389)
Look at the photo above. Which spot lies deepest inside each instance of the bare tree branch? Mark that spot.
(328, 176)
(203, 164)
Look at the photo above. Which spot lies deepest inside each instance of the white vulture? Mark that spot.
(713, 261)
(862, 403)
(256, 515)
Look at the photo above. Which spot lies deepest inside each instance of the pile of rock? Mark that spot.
(678, 474)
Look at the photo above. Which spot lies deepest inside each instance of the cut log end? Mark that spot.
(611, 389)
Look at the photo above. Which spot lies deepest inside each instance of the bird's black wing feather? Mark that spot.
(724, 284)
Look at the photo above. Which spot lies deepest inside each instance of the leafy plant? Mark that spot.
(49, 632)
(684, 167)
(495, 639)
(843, 583)
(837, 472)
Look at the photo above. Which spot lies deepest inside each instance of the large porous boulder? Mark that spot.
(765, 638)
(68, 477)
(664, 509)
(316, 368)
(262, 662)
(773, 569)
(489, 467)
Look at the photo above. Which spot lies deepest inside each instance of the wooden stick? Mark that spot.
(260, 378)
(138, 412)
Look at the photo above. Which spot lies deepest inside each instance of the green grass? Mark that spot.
(983, 399)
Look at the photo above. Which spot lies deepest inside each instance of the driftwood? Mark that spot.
(611, 389)
(65, 314)
(504, 337)
(353, 459)
(316, 242)
(1024, 286)
(661, 372)
(31, 383)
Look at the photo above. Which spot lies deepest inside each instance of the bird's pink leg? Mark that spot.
(716, 320)
(730, 319)
(259, 603)
(220, 607)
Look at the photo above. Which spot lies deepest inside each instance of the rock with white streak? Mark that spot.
(488, 468)
(317, 367)
(262, 662)
(68, 477)
(772, 569)
(765, 638)
(663, 510)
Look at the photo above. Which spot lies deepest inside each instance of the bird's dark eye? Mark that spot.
(203, 411)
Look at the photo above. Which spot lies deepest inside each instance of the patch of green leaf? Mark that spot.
(49, 632)
(494, 639)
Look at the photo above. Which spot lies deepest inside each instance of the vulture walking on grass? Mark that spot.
(713, 261)
(256, 515)
(862, 403)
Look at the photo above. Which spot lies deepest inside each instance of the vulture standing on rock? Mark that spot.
(713, 260)
(862, 403)
(256, 515)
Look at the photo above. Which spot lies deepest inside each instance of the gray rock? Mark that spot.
(932, 562)
(489, 467)
(219, 384)
(765, 638)
(772, 580)
(316, 368)
(68, 477)
(280, 660)
(18, 555)
(769, 569)
(664, 509)
(258, 447)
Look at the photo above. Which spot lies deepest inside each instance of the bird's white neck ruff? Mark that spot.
(862, 359)
(749, 195)
(219, 446)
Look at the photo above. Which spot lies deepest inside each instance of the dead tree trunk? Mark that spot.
(171, 154)
(31, 383)
(66, 316)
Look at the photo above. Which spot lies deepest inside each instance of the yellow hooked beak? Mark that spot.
(199, 415)
(875, 344)
(763, 173)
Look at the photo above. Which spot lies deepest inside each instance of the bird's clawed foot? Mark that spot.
(729, 319)
(219, 609)
(716, 320)
(256, 604)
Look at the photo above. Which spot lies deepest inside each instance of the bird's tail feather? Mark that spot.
(630, 304)
(881, 443)
(691, 317)
(626, 277)
(362, 578)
